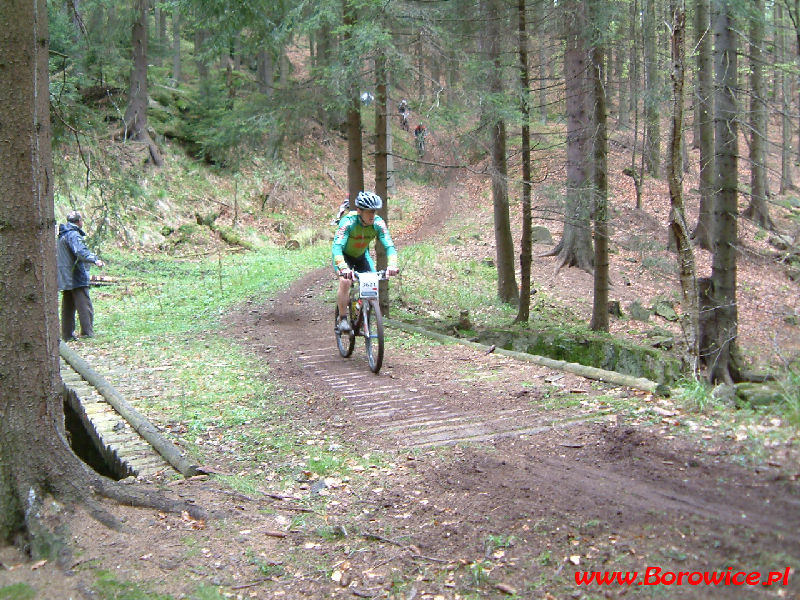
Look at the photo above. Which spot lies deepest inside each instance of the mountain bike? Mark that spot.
(404, 120)
(365, 319)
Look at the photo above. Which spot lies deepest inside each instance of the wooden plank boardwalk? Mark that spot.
(124, 451)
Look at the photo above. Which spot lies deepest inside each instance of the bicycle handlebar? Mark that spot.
(381, 274)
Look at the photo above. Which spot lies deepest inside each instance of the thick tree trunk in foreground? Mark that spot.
(31, 414)
(36, 461)
(136, 113)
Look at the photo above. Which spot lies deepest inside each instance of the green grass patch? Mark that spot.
(436, 287)
(433, 288)
(17, 591)
(107, 587)
(265, 567)
(160, 295)
(694, 395)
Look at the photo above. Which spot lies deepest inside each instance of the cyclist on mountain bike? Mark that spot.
(351, 247)
(405, 112)
(344, 207)
(403, 106)
(419, 136)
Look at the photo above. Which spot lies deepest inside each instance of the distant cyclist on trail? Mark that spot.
(405, 112)
(419, 136)
(344, 207)
(351, 247)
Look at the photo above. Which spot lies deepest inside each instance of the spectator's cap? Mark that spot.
(74, 217)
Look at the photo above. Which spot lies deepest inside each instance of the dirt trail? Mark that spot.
(535, 495)
(538, 475)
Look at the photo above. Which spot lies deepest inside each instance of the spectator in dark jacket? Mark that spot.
(72, 260)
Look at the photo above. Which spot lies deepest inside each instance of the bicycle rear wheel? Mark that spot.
(373, 325)
(345, 341)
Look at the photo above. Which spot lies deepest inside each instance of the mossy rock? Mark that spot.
(601, 351)
(541, 235)
(230, 236)
(665, 310)
(749, 394)
(638, 312)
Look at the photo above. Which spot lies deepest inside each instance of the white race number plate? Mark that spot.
(369, 285)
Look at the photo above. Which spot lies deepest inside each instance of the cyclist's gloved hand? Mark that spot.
(345, 273)
(392, 271)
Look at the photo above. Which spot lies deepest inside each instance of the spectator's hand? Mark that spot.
(392, 271)
(345, 273)
(99, 263)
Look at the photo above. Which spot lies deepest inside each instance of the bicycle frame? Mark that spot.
(365, 318)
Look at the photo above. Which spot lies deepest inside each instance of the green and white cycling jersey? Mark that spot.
(353, 239)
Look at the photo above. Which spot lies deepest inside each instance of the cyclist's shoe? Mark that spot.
(344, 325)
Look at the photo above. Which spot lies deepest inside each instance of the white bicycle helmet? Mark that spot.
(368, 201)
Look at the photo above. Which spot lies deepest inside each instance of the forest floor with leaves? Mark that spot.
(637, 482)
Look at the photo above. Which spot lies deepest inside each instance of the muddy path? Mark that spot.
(569, 489)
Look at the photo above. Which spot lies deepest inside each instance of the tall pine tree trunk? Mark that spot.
(599, 320)
(758, 209)
(265, 73)
(633, 60)
(157, 47)
(623, 111)
(176, 45)
(31, 414)
(355, 159)
(677, 221)
(382, 130)
(635, 85)
(36, 460)
(786, 94)
(136, 114)
(507, 290)
(575, 247)
(525, 252)
(722, 357)
(652, 97)
(705, 114)
(543, 62)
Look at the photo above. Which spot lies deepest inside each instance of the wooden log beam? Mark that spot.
(171, 453)
(638, 383)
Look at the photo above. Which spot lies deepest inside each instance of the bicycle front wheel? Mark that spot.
(373, 325)
(345, 341)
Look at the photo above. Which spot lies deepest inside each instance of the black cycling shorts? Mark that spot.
(359, 264)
